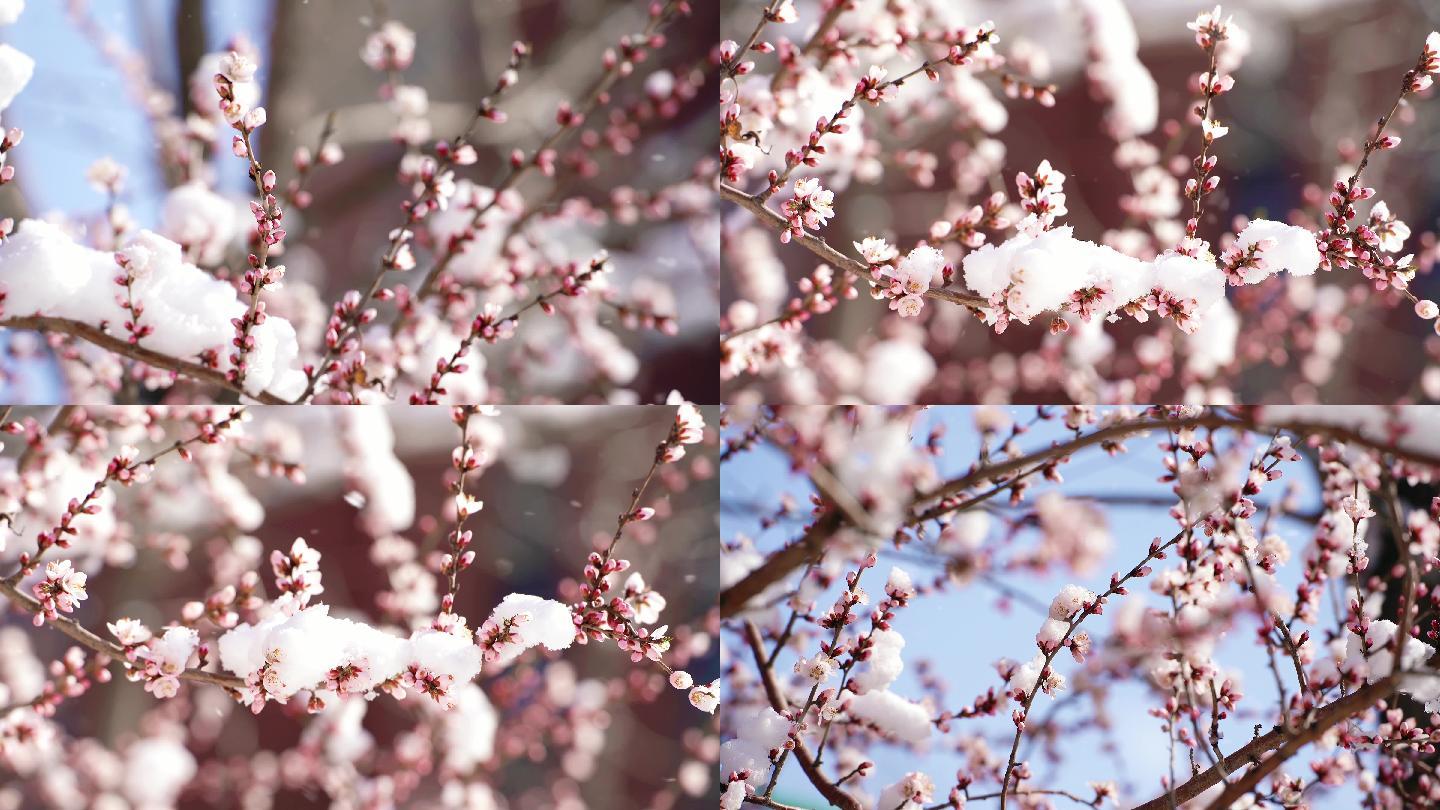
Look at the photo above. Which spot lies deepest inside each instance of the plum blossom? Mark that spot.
(875, 250)
(705, 697)
(60, 591)
(390, 47)
(810, 208)
(818, 669)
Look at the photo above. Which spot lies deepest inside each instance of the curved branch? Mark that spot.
(75, 630)
(828, 789)
(1288, 743)
(833, 257)
(150, 357)
(781, 563)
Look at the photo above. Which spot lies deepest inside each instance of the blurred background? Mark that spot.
(558, 478)
(1315, 76)
(113, 78)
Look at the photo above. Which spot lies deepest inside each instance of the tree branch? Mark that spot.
(833, 257)
(122, 347)
(1352, 704)
(829, 790)
(779, 565)
(74, 630)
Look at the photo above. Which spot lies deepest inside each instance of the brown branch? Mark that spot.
(1352, 704)
(828, 789)
(122, 347)
(76, 631)
(779, 565)
(815, 244)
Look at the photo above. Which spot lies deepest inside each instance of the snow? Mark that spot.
(10, 11)
(1031, 274)
(760, 730)
(893, 715)
(1412, 428)
(896, 371)
(383, 480)
(173, 650)
(1187, 277)
(445, 654)
(1211, 346)
(1117, 72)
(15, 71)
(1294, 249)
(543, 621)
(1069, 601)
(43, 271)
(469, 730)
(302, 648)
(884, 664)
(201, 220)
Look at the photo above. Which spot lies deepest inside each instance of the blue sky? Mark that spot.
(962, 632)
(78, 108)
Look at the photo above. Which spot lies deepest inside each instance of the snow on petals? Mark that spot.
(43, 271)
(1289, 247)
(520, 622)
(706, 697)
(282, 655)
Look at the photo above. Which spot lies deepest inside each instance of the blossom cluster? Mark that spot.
(498, 237)
(905, 155)
(186, 491)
